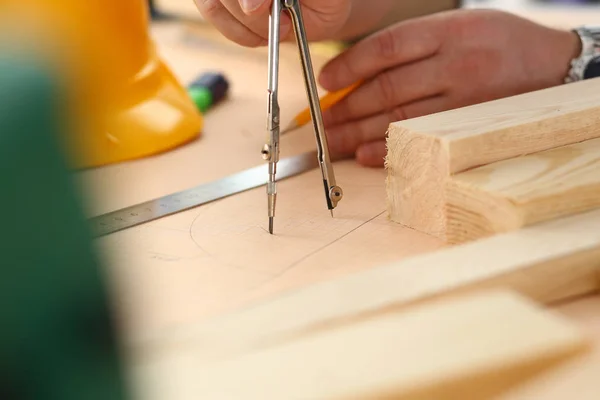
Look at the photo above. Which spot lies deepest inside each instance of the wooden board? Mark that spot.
(579, 374)
(469, 347)
(548, 262)
(424, 152)
(576, 377)
(507, 195)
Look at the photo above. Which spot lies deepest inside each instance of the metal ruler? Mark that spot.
(242, 181)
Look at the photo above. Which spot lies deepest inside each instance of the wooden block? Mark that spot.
(424, 152)
(576, 378)
(547, 262)
(470, 347)
(510, 194)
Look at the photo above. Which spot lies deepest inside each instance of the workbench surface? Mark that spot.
(173, 273)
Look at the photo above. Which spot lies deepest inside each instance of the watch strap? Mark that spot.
(590, 49)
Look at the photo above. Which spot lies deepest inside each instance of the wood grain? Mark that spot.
(423, 152)
(469, 347)
(510, 194)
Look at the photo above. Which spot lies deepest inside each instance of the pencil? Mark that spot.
(326, 102)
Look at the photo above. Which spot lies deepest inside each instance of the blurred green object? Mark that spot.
(201, 98)
(208, 89)
(57, 337)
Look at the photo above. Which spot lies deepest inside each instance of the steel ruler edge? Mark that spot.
(138, 214)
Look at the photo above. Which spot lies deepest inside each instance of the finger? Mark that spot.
(372, 154)
(389, 89)
(348, 137)
(215, 13)
(255, 16)
(251, 6)
(402, 43)
(345, 139)
(322, 18)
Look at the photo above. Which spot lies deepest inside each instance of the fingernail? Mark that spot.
(364, 154)
(371, 155)
(250, 5)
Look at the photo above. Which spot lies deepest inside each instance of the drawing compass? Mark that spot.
(270, 151)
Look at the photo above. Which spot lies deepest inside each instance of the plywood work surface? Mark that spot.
(578, 376)
(207, 259)
(172, 274)
(549, 263)
(176, 271)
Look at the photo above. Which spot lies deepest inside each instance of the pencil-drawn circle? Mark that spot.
(234, 231)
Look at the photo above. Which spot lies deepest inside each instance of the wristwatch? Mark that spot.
(587, 64)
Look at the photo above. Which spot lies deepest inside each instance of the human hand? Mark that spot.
(246, 22)
(437, 63)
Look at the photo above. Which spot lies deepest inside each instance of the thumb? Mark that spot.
(253, 6)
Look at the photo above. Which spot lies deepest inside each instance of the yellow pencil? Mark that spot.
(326, 102)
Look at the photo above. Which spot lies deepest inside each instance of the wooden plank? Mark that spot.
(510, 194)
(469, 347)
(579, 375)
(423, 152)
(546, 262)
(576, 378)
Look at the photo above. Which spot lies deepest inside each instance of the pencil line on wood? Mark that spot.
(312, 253)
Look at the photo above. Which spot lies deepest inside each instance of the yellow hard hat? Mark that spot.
(127, 101)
